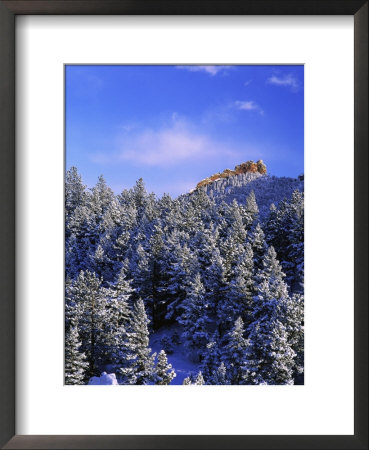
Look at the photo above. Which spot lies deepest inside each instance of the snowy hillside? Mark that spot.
(268, 189)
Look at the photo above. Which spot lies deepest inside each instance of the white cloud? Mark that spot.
(211, 70)
(172, 145)
(249, 105)
(287, 81)
(246, 83)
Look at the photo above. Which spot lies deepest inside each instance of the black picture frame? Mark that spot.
(8, 11)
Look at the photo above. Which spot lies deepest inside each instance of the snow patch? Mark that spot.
(104, 379)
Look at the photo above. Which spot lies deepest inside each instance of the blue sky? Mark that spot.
(175, 125)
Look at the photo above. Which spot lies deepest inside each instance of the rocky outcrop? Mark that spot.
(248, 166)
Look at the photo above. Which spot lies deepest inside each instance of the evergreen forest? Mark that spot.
(203, 289)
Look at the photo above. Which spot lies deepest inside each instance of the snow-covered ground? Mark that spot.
(104, 379)
(179, 360)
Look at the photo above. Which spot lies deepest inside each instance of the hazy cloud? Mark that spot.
(249, 105)
(172, 145)
(211, 70)
(288, 81)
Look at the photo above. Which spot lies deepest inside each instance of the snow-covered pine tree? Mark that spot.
(270, 357)
(151, 208)
(237, 298)
(194, 319)
(215, 282)
(292, 309)
(85, 294)
(140, 196)
(229, 250)
(295, 269)
(258, 244)
(199, 379)
(270, 354)
(181, 269)
(75, 364)
(219, 376)
(75, 192)
(108, 257)
(285, 227)
(70, 310)
(270, 284)
(140, 367)
(158, 274)
(101, 198)
(234, 355)
(97, 261)
(80, 240)
(252, 209)
(203, 244)
(271, 225)
(141, 270)
(119, 299)
(164, 371)
(237, 228)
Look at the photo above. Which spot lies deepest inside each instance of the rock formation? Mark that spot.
(248, 166)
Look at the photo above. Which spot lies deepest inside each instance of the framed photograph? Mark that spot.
(184, 226)
(198, 280)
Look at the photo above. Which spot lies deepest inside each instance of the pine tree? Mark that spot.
(199, 379)
(272, 225)
(85, 294)
(102, 198)
(245, 288)
(194, 319)
(157, 261)
(285, 228)
(258, 244)
(75, 361)
(164, 372)
(235, 353)
(219, 376)
(181, 269)
(295, 257)
(270, 285)
(237, 229)
(251, 208)
(215, 281)
(140, 195)
(237, 298)
(204, 243)
(270, 357)
(229, 250)
(75, 192)
(141, 270)
(292, 314)
(80, 240)
(140, 362)
(119, 299)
